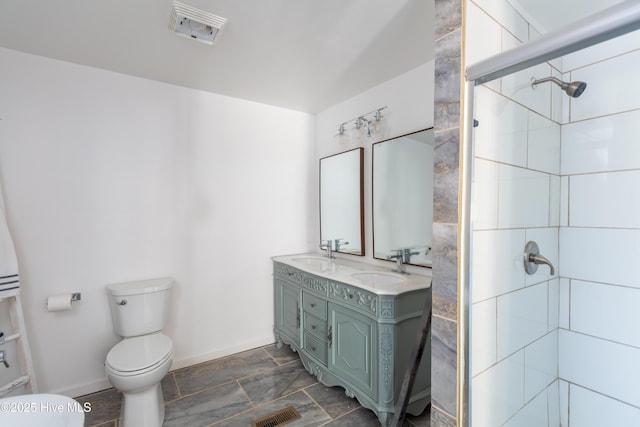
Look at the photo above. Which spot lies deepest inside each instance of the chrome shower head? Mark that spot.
(573, 89)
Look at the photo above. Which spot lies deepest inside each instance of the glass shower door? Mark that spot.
(557, 349)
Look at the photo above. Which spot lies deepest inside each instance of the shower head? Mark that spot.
(573, 89)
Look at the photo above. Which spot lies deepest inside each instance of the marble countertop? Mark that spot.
(372, 278)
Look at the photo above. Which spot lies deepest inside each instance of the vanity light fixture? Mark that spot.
(187, 21)
(369, 123)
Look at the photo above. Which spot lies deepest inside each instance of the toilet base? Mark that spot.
(143, 408)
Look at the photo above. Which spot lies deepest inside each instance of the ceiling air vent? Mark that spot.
(194, 23)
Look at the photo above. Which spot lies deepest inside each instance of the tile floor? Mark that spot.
(234, 391)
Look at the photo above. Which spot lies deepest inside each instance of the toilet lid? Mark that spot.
(134, 354)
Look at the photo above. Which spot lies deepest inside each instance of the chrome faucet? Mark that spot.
(338, 243)
(327, 244)
(402, 256)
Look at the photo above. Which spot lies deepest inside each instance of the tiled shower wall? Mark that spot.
(599, 338)
(566, 173)
(515, 199)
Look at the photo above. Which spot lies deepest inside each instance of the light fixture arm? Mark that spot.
(362, 120)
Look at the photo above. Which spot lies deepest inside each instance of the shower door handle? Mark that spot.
(532, 259)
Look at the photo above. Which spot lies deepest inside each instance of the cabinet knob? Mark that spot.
(313, 349)
(312, 305)
(313, 326)
(351, 296)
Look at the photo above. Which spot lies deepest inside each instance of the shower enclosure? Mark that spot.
(559, 165)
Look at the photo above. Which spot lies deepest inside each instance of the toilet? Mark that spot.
(137, 364)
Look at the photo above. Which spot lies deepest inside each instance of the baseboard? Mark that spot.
(218, 353)
(82, 389)
(103, 384)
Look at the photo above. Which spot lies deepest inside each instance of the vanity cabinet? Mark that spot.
(350, 337)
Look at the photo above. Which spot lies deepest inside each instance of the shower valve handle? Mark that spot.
(532, 259)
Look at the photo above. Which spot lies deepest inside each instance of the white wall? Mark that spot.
(409, 101)
(110, 178)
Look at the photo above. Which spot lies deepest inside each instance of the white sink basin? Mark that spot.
(378, 279)
(314, 263)
(41, 410)
(311, 260)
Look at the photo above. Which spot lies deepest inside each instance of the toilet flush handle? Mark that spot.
(123, 302)
(532, 259)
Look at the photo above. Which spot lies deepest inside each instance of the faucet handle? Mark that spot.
(338, 243)
(3, 360)
(398, 253)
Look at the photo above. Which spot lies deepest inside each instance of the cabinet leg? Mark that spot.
(385, 418)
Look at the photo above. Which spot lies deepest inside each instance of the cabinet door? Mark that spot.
(288, 311)
(353, 348)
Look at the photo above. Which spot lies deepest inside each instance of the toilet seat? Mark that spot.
(137, 355)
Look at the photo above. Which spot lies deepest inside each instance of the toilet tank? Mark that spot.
(141, 307)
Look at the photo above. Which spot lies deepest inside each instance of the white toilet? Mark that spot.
(137, 364)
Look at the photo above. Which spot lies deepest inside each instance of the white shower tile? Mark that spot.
(497, 263)
(522, 318)
(600, 51)
(543, 147)
(507, 16)
(603, 144)
(547, 240)
(610, 87)
(600, 255)
(502, 133)
(498, 392)
(617, 195)
(533, 414)
(566, 100)
(523, 199)
(483, 333)
(564, 202)
(509, 41)
(479, 48)
(485, 195)
(564, 293)
(557, 96)
(517, 86)
(553, 403)
(606, 311)
(589, 409)
(601, 365)
(554, 309)
(563, 388)
(540, 364)
(554, 201)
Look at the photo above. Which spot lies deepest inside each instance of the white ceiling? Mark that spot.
(305, 55)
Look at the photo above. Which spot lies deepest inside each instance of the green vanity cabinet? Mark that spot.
(354, 350)
(351, 337)
(288, 301)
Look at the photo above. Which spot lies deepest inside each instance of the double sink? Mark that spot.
(372, 278)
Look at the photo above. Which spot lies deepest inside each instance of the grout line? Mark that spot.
(304, 390)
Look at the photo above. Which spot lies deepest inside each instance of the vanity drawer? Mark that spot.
(314, 305)
(315, 326)
(315, 347)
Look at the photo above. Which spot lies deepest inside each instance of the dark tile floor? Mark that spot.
(234, 391)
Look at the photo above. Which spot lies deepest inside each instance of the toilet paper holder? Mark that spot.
(75, 296)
